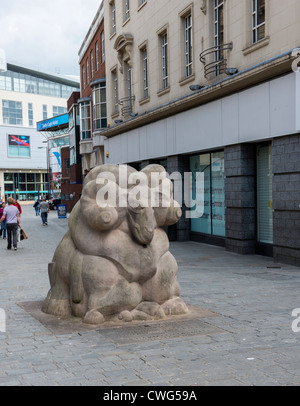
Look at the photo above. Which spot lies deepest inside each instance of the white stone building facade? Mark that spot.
(213, 86)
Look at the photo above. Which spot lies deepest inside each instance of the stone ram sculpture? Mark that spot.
(114, 261)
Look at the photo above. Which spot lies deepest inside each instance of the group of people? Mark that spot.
(10, 221)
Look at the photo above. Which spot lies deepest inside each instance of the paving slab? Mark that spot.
(239, 332)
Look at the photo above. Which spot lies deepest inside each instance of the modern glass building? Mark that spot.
(18, 79)
(27, 97)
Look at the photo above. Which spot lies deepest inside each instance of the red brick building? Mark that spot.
(72, 176)
(92, 103)
(71, 181)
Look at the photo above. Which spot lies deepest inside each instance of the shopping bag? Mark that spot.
(23, 235)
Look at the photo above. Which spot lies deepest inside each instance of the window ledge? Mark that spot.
(161, 92)
(86, 140)
(115, 115)
(144, 100)
(126, 22)
(187, 79)
(142, 5)
(113, 35)
(253, 47)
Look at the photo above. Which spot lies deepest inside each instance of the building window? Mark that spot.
(73, 160)
(113, 17)
(87, 72)
(12, 112)
(188, 45)
(164, 60)
(127, 101)
(45, 112)
(19, 146)
(59, 142)
(83, 77)
(25, 185)
(23, 83)
(264, 194)
(210, 195)
(115, 91)
(258, 20)
(128, 80)
(32, 85)
(99, 106)
(97, 56)
(126, 10)
(58, 110)
(6, 82)
(71, 118)
(85, 121)
(67, 165)
(144, 64)
(102, 47)
(30, 115)
(92, 64)
(218, 32)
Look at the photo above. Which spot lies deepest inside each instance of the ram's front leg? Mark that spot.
(163, 288)
(108, 293)
(58, 299)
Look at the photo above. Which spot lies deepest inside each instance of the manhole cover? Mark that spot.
(159, 331)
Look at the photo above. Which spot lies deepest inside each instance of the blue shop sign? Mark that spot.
(53, 122)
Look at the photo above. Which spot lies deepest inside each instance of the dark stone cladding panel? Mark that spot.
(240, 198)
(286, 199)
(180, 163)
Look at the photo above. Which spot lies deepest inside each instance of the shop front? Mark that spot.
(210, 227)
(25, 186)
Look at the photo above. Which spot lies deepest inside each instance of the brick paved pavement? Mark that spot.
(252, 297)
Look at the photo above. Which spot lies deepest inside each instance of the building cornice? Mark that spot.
(248, 78)
(92, 31)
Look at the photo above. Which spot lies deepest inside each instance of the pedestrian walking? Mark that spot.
(18, 206)
(12, 215)
(37, 207)
(44, 210)
(3, 224)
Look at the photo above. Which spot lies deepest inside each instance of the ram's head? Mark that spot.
(138, 202)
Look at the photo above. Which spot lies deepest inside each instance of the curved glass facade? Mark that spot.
(24, 83)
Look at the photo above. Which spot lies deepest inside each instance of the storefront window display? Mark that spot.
(264, 194)
(213, 194)
(25, 186)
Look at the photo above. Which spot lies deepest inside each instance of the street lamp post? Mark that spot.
(48, 166)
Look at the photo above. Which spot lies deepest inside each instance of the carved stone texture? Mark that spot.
(115, 259)
(203, 7)
(123, 46)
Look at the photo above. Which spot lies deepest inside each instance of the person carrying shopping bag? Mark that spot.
(13, 222)
(18, 206)
(3, 224)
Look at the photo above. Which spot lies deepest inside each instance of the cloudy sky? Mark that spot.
(45, 35)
